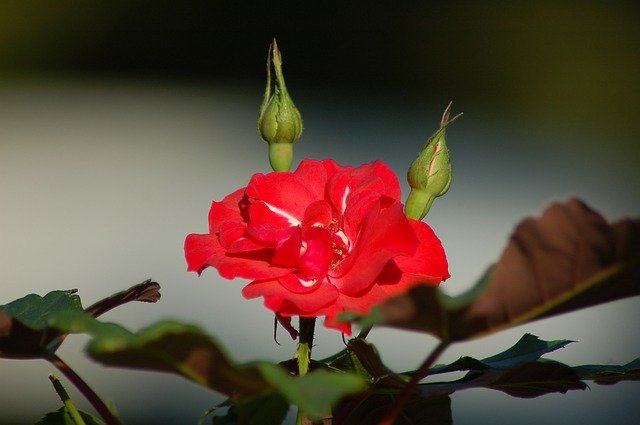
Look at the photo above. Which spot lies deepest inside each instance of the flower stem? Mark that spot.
(420, 374)
(68, 404)
(307, 327)
(303, 353)
(85, 389)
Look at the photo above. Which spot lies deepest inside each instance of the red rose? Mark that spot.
(319, 241)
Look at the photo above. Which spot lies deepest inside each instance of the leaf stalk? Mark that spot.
(85, 389)
(420, 374)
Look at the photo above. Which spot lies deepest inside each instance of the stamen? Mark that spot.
(344, 238)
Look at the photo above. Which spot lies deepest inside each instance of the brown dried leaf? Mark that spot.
(147, 291)
(569, 258)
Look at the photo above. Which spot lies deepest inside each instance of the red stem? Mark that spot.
(422, 373)
(85, 389)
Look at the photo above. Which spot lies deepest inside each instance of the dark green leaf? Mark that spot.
(362, 358)
(62, 417)
(570, 258)
(224, 405)
(167, 347)
(525, 380)
(434, 410)
(610, 374)
(534, 379)
(519, 371)
(24, 331)
(528, 348)
(269, 409)
(314, 393)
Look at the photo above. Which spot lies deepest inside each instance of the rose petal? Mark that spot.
(428, 266)
(277, 298)
(225, 210)
(285, 321)
(293, 283)
(268, 234)
(353, 190)
(318, 253)
(285, 195)
(314, 174)
(319, 213)
(245, 246)
(198, 249)
(288, 250)
(361, 304)
(385, 234)
(262, 214)
(372, 180)
(430, 258)
(202, 251)
(230, 231)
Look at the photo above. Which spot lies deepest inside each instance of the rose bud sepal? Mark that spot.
(429, 175)
(279, 121)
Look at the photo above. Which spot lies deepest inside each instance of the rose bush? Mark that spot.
(319, 241)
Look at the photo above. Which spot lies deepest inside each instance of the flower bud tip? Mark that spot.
(279, 121)
(429, 175)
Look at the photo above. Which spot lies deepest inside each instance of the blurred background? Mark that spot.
(120, 122)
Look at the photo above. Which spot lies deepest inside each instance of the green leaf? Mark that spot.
(62, 417)
(167, 347)
(529, 348)
(568, 259)
(33, 310)
(24, 331)
(187, 351)
(314, 393)
(24, 323)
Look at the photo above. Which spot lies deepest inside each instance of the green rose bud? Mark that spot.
(279, 121)
(429, 175)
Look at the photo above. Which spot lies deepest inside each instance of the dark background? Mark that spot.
(567, 64)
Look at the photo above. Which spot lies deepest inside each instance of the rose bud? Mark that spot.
(279, 121)
(429, 175)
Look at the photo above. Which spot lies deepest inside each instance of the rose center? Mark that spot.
(340, 246)
(321, 249)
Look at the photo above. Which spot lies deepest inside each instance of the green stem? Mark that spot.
(68, 404)
(364, 332)
(303, 353)
(85, 389)
(421, 373)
